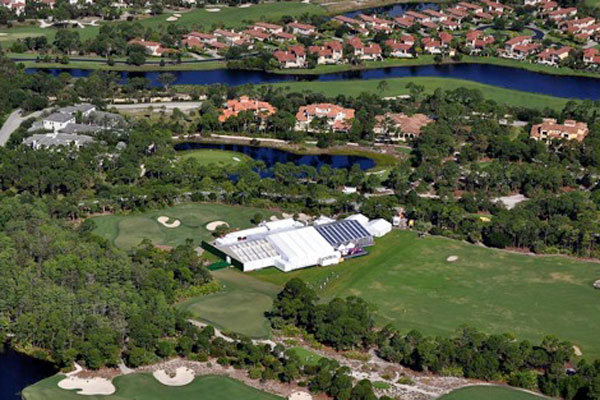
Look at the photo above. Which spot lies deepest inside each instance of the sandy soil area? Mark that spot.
(300, 396)
(164, 221)
(89, 386)
(181, 377)
(211, 226)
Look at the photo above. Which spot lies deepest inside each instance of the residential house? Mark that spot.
(330, 53)
(404, 22)
(267, 27)
(399, 126)
(294, 57)
(476, 41)
(152, 48)
(337, 118)
(550, 129)
(399, 49)
(230, 37)
(369, 52)
(298, 28)
(553, 57)
(469, 7)
(495, 7)
(376, 24)
(457, 14)
(349, 22)
(48, 140)
(436, 16)
(591, 56)
(561, 13)
(257, 34)
(57, 121)
(419, 17)
(233, 107)
(284, 37)
(431, 45)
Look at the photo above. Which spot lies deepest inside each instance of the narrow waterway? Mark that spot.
(511, 78)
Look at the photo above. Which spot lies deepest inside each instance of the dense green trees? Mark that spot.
(78, 298)
(469, 353)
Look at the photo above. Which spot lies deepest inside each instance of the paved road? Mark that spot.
(13, 121)
(182, 105)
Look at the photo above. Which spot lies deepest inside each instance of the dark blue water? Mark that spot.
(19, 371)
(271, 156)
(506, 77)
(394, 10)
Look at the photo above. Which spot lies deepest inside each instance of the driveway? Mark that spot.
(13, 122)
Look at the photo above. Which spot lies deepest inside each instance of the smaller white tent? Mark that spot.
(360, 218)
(379, 227)
(322, 220)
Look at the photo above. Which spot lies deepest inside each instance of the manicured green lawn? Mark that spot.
(413, 287)
(144, 386)
(489, 393)
(127, 231)
(235, 16)
(306, 356)
(220, 157)
(240, 307)
(397, 86)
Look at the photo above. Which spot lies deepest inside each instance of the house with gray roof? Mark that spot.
(47, 140)
(57, 121)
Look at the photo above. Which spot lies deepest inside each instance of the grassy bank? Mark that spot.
(144, 386)
(397, 86)
(412, 286)
(91, 65)
(218, 157)
(239, 307)
(429, 60)
(490, 393)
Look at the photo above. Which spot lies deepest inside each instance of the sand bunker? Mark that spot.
(177, 15)
(182, 377)
(164, 221)
(577, 351)
(300, 396)
(245, 5)
(452, 258)
(236, 159)
(211, 226)
(213, 9)
(274, 218)
(172, 19)
(88, 387)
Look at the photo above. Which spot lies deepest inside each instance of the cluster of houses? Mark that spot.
(71, 125)
(18, 6)
(434, 37)
(390, 127)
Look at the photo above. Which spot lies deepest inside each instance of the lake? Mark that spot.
(271, 156)
(511, 78)
(20, 371)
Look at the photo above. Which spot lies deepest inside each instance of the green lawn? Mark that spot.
(306, 356)
(489, 393)
(397, 86)
(413, 287)
(127, 231)
(240, 307)
(144, 386)
(236, 17)
(209, 156)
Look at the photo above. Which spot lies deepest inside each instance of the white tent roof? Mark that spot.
(378, 227)
(301, 247)
(360, 218)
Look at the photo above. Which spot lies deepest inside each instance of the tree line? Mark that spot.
(344, 324)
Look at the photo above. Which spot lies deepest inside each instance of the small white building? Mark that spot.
(379, 227)
(57, 121)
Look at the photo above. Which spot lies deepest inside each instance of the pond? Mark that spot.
(271, 156)
(20, 371)
(576, 87)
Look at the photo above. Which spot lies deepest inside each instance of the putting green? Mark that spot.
(240, 307)
(209, 156)
(127, 231)
(144, 386)
(490, 393)
(413, 287)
